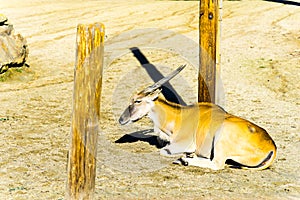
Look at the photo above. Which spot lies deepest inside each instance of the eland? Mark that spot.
(202, 134)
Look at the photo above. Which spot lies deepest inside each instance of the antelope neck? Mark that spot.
(164, 113)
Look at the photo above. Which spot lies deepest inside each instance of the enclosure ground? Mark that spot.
(260, 69)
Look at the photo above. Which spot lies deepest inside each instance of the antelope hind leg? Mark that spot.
(194, 160)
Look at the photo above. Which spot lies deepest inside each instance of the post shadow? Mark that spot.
(285, 2)
(167, 89)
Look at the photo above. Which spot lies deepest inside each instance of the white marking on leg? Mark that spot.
(201, 162)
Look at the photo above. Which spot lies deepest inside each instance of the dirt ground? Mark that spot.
(260, 68)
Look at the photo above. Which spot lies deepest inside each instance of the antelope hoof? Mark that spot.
(190, 155)
(181, 161)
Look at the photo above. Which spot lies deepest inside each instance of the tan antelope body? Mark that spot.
(205, 134)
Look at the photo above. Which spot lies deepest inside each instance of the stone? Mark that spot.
(13, 47)
(3, 19)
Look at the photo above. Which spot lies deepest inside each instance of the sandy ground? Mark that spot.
(260, 71)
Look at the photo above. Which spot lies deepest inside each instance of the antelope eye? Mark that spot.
(137, 101)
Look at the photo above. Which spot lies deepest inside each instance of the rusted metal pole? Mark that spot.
(86, 111)
(208, 33)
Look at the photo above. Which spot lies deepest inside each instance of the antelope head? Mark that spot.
(142, 102)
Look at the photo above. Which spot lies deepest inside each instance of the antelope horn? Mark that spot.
(162, 81)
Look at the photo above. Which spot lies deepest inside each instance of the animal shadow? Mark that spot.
(141, 136)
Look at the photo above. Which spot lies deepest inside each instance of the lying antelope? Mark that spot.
(204, 134)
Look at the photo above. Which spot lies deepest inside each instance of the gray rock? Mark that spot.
(13, 47)
(3, 19)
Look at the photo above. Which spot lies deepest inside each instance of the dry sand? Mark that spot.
(260, 71)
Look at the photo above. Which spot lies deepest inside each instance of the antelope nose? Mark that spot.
(125, 117)
(122, 121)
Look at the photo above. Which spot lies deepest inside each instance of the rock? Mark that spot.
(6, 30)
(3, 19)
(13, 48)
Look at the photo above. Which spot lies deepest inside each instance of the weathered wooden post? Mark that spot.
(86, 111)
(209, 44)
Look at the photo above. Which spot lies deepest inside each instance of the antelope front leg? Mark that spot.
(162, 138)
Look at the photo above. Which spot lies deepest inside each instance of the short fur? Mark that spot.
(205, 134)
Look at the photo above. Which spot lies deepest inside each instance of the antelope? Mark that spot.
(203, 134)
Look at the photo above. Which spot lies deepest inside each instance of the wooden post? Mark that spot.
(208, 31)
(218, 92)
(86, 111)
